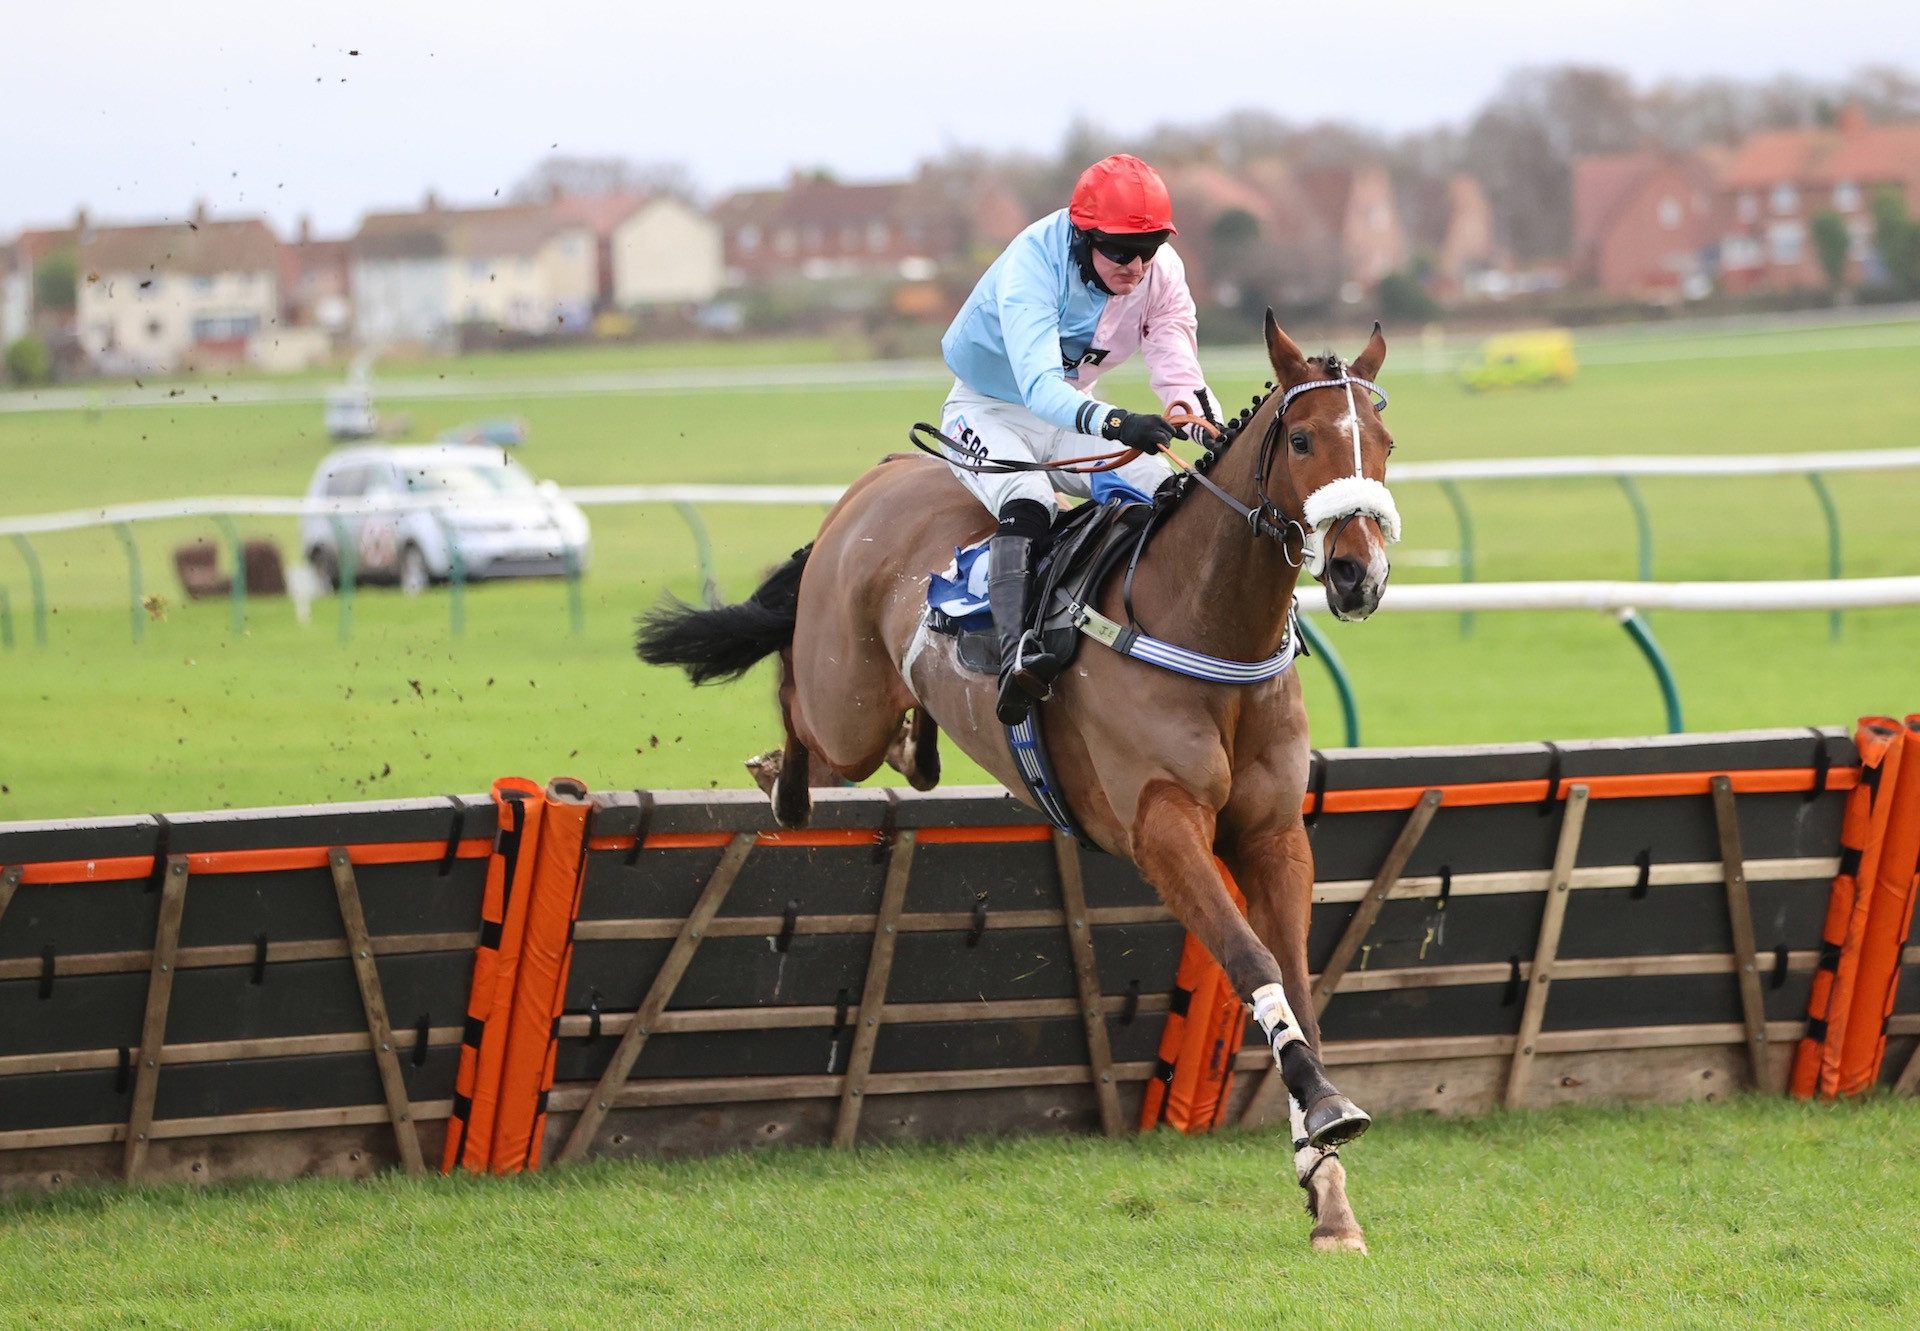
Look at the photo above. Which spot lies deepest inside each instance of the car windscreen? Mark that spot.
(464, 479)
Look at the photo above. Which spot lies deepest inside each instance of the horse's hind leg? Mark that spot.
(915, 752)
(785, 775)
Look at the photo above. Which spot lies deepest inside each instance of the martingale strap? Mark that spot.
(1036, 770)
(1129, 641)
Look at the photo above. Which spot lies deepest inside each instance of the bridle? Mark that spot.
(1325, 513)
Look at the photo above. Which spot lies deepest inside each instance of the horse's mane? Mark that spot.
(1328, 366)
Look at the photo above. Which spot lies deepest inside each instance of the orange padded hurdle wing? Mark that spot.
(503, 914)
(1204, 1030)
(1862, 831)
(540, 982)
(1887, 902)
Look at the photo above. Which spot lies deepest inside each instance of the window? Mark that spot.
(747, 238)
(1785, 241)
(1784, 199)
(202, 284)
(1747, 208)
(225, 327)
(476, 268)
(1846, 196)
(346, 483)
(877, 236)
(1670, 212)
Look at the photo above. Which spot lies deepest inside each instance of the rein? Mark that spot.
(1085, 465)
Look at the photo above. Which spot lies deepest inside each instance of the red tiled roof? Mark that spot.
(1861, 153)
(474, 233)
(599, 213)
(1602, 186)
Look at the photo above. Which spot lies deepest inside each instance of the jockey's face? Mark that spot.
(1119, 279)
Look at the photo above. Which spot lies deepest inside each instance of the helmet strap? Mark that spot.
(1081, 249)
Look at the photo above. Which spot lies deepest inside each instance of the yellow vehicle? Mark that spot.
(1517, 360)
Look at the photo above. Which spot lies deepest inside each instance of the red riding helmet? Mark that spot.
(1120, 195)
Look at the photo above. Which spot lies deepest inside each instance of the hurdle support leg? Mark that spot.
(1553, 916)
(1733, 868)
(659, 993)
(373, 1001)
(153, 1029)
(9, 882)
(1272, 1086)
(1086, 974)
(873, 994)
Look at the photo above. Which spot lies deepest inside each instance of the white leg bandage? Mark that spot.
(1276, 1018)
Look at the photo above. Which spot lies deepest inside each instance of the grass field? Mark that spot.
(195, 716)
(1745, 1212)
(1753, 1212)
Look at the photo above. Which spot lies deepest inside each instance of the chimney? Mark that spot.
(81, 225)
(1852, 119)
(555, 192)
(199, 212)
(432, 203)
(306, 229)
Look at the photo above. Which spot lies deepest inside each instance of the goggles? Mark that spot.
(1123, 250)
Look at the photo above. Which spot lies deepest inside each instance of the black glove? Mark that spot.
(1136, 429)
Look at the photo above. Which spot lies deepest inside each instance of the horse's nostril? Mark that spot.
(1344, 574)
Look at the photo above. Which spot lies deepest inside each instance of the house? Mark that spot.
(1467, 247)
(151, 297)
(315, 286)
(1357, 207)
(419, 276)
(817, 229)
(1778, 181)
(1302, 246)
(1229, 234)
(1645, 224)
(650, 250)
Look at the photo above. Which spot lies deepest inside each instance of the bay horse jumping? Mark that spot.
(1166, 770)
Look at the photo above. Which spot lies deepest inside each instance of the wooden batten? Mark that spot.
(1560, 881)
(374, 1003)
(1086, 977)
(153, 1030)
(873, 993)
(658, 994)
(1733, 865)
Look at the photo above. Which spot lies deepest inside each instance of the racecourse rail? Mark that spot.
(1624, 600)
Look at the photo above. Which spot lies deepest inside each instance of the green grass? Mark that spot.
(1753, 1212)
(194, 716)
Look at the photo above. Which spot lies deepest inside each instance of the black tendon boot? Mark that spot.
(1009, 576)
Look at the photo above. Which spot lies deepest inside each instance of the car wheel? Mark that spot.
(326, 566)
(415, 577)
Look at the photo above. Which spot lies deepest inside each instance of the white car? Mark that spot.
(463, 501)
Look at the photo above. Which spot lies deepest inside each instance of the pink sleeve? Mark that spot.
(1170, 343)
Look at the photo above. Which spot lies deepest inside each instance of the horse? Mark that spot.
(1165, 770)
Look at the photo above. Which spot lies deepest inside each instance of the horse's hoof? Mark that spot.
(1340, 1242)
(765, 770)
(1333, 1120)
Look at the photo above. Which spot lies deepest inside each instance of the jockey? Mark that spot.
(1072, 296)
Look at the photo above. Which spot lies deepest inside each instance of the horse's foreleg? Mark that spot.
(1276, 874)
(1173, 837)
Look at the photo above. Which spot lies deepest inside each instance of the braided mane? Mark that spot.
(1329, 367)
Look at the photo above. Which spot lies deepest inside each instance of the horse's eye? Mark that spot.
(1302, 442)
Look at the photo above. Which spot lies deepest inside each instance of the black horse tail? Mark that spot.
(724, 642)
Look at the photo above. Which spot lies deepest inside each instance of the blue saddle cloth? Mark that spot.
(959, 592)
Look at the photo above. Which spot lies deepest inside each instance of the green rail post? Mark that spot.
(38, 585)
(1643, 525)
(1465, 521)
(703, 551)
(124, 530)
(1637, 629)
(237, 594)
(346, 562)
(1317, 645)
(456, 574)
(6, 620)
(1819, 484)
(576, 607)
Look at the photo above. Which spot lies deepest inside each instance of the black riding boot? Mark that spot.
(1024, 677)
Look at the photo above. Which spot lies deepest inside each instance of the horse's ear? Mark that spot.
(1289, 362)
(1367, 364)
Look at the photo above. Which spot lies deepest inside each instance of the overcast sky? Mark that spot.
(136, 110)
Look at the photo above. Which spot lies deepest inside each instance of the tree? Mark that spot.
(56, 282)
(1830, 242)
(1897, 241)
(28, 362)
(597, 176)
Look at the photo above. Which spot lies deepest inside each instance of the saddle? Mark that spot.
(1081, 551)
